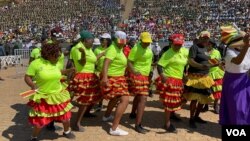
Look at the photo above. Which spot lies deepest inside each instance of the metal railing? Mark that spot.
(6, 61)
(25, 53)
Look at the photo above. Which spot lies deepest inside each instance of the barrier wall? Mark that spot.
(25, 53)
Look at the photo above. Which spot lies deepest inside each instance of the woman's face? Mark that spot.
(210, 46)
(176, 47)
(121, 43)
(132, 43)
(54, 58)
(145, 45)
(104, 42)
(88, 43)
(204, 41)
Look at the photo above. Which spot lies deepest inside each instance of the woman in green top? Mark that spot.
(216, 73)
(114, 83)
(35, 53)
(170, 85)
(51, 101)
(100, 54)
(100, 50)
(85, 84)
(139, 63)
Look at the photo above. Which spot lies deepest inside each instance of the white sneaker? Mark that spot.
(109, 118)
(118, 132)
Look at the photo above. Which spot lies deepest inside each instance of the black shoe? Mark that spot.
(33, 139)
(205, 108)
(150, 93)
(199, 120)
(51, 126)
(140, 129)
(89, 115)
(98, 108)
(175, 118)
(132, 116)
(192, 124)
(70, 135)
(171, 128)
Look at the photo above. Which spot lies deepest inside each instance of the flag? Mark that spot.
(27, 93)
(213, 61)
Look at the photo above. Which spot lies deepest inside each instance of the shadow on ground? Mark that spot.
(21, 130)
(154, 120)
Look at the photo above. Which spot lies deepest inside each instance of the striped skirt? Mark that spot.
(117, 86)
(170, 93)
(46, 108)
(138, 84)
(198, 87)
(86, 87)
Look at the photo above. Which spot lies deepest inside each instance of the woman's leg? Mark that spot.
(67, 132)
(36, 132)
(216, 106)
(81, 111)
(119, 111)
(66, 125)
(197, 113)
(110, 106)
(167, 118)
(168, 126)
(87, 112)
(198, 109)
(193, 106)
(134, 107)
(140, 108)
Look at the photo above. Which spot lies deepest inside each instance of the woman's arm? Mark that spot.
(193, 63)
(104, 81)
(100, 55)
(29, 82)
(82, 61)
(237, 60)
(131, 68)
(160, 72)
(68, 71)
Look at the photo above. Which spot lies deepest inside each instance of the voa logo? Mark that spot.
(236, 132)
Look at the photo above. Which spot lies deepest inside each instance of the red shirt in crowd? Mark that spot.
(126, 50)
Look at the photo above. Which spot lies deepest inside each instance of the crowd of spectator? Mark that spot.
(28, 20)
(33, 16)
(164, 17)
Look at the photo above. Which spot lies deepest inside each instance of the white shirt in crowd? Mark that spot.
(233, 68)
(155, 48)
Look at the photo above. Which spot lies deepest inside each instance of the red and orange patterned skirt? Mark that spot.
(170, 93)
(86, 87)
(117, 86)
(138, 84)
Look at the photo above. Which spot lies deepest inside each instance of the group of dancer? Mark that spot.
(106, 73)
